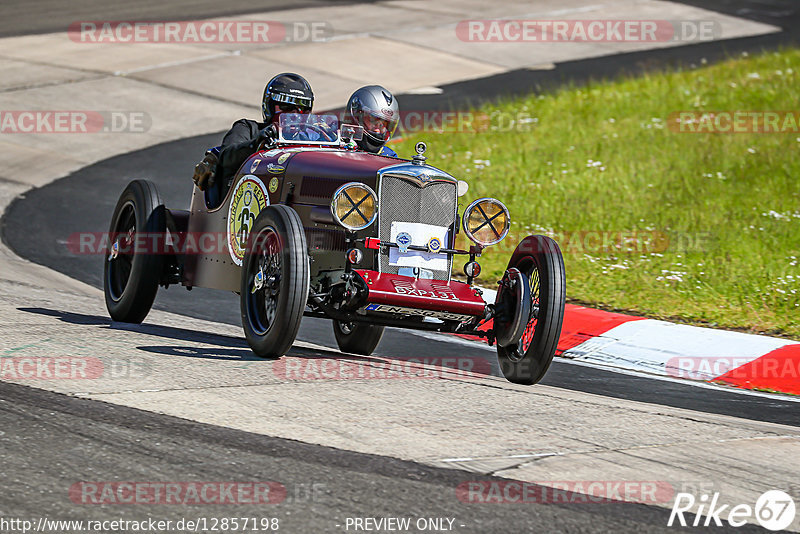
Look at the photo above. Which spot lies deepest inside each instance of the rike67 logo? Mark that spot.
(774, 510)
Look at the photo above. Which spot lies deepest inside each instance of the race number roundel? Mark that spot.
(249, 198)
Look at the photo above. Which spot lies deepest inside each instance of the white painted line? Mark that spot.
(177, 63)
(685, 382)
(658, 347)
(513, 456)
(429, 90)
(604, 366)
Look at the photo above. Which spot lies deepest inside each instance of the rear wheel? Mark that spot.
(527, 361)
(131, 274)
(274, 285)
(357, 338)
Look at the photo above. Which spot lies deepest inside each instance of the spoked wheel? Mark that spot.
(357, 338)
(131, 274)
(527, 361)
(274, 285)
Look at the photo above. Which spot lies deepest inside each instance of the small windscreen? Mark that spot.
(309, 128)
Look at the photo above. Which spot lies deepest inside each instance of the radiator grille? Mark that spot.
(320, 187)
(325, 239)
(403, 201)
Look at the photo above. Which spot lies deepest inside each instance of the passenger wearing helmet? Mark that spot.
(285, 93)
(375, 109)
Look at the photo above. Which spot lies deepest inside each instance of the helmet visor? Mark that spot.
(291, 108)
(301, 103)
(378, 127)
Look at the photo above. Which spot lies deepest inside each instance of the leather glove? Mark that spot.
(267, 136)
(204, 171)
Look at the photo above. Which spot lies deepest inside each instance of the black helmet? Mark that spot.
(376, 110)
(288, 90)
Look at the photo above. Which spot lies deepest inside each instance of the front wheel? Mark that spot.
(275, 280)
(526, 361)
(357, 338)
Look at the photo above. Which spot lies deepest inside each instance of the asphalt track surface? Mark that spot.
(46, 16)
(109, 441)
(323, 485)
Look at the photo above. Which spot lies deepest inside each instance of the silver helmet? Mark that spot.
(375, 109)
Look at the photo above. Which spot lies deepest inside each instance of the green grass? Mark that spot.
(729, 205)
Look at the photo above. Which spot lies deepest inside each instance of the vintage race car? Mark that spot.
(312, 226)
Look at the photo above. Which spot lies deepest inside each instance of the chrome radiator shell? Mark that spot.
(415, 194)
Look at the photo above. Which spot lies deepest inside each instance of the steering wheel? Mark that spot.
(318, 129)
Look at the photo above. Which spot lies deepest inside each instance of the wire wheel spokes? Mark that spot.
(119, 260)
(530, 329)
(265, 273)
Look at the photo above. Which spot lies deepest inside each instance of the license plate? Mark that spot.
(423, 235)
(448, 316)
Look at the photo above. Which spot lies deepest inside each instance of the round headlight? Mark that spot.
(354, 206)
(486, 221)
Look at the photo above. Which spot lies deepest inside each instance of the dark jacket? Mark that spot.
(239, 143)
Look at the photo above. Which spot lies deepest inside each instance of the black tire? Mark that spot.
(357, 338)
(527, 361)
(130, 280)
(271, 314)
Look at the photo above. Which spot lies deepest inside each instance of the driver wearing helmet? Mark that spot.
(374, 109)
(285, 93)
